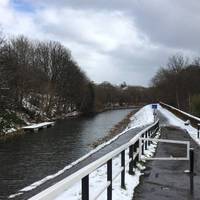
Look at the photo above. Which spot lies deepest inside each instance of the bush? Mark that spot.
(195, 105)
(8, 120)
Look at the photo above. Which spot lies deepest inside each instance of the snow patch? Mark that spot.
(72, 114)
(175, 121)
(38, 125)
(143, 117)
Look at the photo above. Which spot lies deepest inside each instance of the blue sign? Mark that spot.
(154, 106)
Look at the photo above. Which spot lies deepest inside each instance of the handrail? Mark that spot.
(60, 187)
(180, 111)
(193, 120)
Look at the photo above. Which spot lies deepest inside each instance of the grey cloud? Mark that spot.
(153, 31)
(170, 23)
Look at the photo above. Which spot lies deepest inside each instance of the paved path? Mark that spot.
(166, 180)
(115, 144)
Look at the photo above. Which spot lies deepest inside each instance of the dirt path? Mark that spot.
(166, 180)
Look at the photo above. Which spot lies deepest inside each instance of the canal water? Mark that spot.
(33, 156)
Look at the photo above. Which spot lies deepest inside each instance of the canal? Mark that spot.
(33, 156)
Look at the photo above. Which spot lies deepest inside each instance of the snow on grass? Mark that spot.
(26, 104)
(143, 117)
(72, 114)
(175, 121)
(11, 130)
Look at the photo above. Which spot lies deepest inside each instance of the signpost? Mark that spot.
(154, 107)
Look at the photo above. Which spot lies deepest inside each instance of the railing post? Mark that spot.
(135, 151)
(123, 172)
(85, 188)
(137, 147)
(130, 171)
(191, 170)
(151, 133)
(142, 144)
(149, 136)
(146, 142)
(109, 178)
(198, 130)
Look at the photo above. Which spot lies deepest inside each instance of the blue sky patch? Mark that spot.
(22, 5)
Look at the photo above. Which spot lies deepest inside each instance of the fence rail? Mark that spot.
(83, 174)
(184, 115)
(186, 143)
(195, 121)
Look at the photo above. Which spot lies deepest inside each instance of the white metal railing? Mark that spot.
(83, 174)
(187, 143)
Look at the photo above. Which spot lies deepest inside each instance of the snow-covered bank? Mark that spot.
(175, 121)
(143, 117)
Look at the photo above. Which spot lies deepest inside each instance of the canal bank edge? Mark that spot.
(115, 130)
(17, 129)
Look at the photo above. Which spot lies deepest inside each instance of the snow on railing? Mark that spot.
(83, 174)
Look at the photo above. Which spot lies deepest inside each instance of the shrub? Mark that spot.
(195, 105)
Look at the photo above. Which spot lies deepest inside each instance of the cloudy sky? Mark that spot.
(112, 40)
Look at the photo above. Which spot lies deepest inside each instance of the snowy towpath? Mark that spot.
(166, 180)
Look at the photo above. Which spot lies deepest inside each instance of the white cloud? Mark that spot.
(15, 22)
(114, 41)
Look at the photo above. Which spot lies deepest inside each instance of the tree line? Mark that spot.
(42, 74)
(42, 79)
(178, 83)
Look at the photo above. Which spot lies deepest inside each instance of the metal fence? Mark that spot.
(83, 174)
